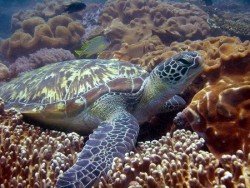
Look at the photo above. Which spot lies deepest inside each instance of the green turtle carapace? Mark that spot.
(107, 99)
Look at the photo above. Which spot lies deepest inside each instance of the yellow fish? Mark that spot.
(93, 47)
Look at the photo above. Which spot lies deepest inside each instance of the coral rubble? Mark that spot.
(58, 32)
(38, 59)
(177, 161)
(31, 156)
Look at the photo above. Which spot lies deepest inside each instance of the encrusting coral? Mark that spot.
(58, 32)
(177, 161)
(38, 59)
(31, 156)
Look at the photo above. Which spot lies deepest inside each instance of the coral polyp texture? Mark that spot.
(58, 32)
(31, 156)
(38, 59)
(127, 21)
(177, 161)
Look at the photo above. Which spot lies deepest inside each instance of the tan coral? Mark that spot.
(220, 113)
(45, 10)
(59, 32)
(215, 51)
(130, 22)
(177, 161)
(31, 156)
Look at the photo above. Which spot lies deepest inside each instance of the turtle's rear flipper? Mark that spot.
(111, 139)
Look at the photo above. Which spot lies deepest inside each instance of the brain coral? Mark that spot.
(128, 21)
(177, 161)
(58, 32)
(38, 59)
(31, 156)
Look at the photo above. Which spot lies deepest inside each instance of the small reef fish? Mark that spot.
(75, 7)
(208, 2)
(93, 47)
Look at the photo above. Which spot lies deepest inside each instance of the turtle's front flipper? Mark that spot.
(174, 104)
(112, 138)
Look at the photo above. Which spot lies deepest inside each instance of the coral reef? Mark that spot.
(38, 59)
(58, 32)
(127, 21)
(4, 72)
(177, 161)
(31, 156)
(232, 24)
(215, 51)
(220, 111)
(45, 10)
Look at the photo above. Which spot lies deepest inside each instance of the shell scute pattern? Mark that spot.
(67, 87)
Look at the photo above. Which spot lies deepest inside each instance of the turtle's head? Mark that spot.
(179, 71)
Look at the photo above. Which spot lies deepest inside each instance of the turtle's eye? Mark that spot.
(184, 61)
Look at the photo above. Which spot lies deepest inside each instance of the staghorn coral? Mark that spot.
(4, 72)
(177, 161)
(31, 156)
(38, 59)
(59, 32)
(127, 21)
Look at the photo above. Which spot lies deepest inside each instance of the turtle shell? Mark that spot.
(67, 88)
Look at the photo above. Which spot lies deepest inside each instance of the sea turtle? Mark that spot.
(108, 96)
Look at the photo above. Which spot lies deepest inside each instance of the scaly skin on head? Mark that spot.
(167, 79)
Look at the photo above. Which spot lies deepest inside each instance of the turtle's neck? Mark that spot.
(155, 94)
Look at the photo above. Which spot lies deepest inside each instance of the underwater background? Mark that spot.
(211, 150)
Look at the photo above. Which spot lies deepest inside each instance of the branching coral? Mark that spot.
(31, 156)
(177, 161)
(59, 32)
(38, 59)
